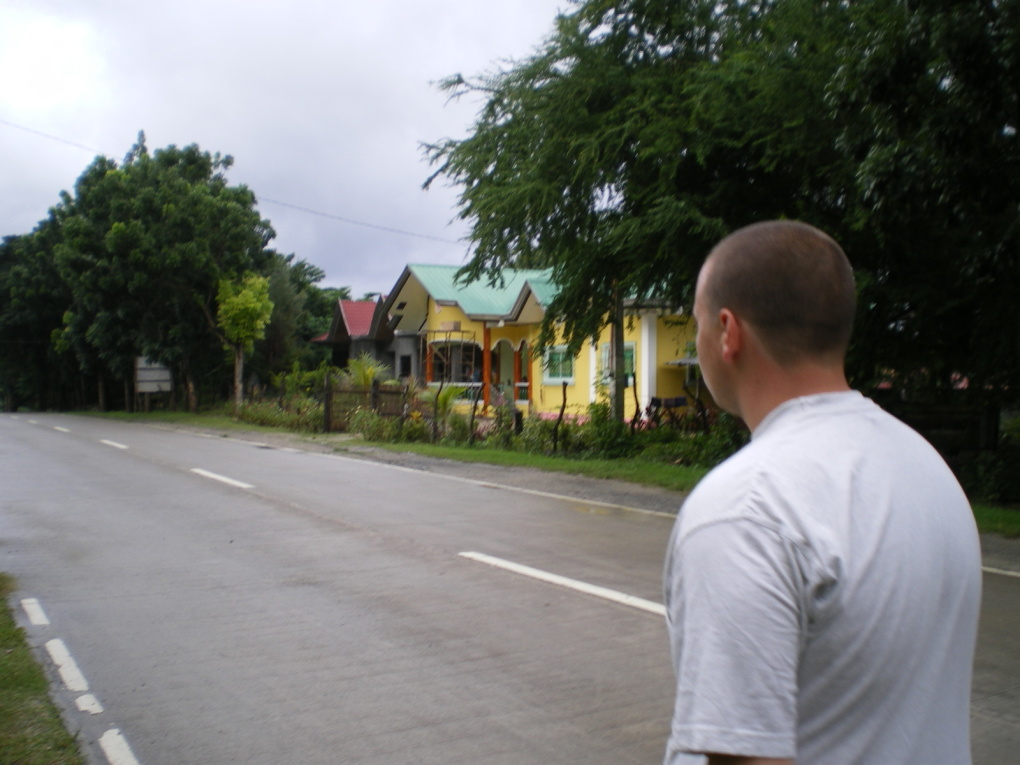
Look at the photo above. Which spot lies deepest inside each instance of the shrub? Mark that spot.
(990, 476)
(504, 425)
(537, 436)
(302, 414)
(605, 436)
(370, 425)
(414, 429)
(458, 429)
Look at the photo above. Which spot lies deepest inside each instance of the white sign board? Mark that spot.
(151, 377)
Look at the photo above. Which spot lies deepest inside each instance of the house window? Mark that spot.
(606, 363)
(405, 366)
(559, 366)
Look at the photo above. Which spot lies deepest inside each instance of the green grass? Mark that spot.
(640, 471)
(996, 519)
(31, 731)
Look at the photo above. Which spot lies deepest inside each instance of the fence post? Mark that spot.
(374, 395)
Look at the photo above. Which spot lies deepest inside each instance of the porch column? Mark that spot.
(428, 362)
(486, 365)
(530, 369)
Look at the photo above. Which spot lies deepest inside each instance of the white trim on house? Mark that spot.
(646, 378)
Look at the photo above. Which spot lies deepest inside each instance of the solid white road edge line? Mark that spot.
(116, 748)
(504, 487)
(69, 672)
(34, 612)
(222, 478)
(114, 444)
(589, 589)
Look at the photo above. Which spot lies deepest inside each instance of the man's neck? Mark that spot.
(773, 385)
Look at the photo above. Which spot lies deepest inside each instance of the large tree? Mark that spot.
(146, 244)
(33, 299)
(642, 131)
(590, 157)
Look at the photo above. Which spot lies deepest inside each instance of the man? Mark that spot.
(823, 584)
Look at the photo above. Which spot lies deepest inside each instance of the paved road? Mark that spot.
(322, 612)
(325, 615)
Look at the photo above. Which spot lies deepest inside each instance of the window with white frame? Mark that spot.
(606, 363)
(558, 366)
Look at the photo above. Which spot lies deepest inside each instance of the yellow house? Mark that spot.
(481, 336)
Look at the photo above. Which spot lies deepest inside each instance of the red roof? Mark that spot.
(358, 316)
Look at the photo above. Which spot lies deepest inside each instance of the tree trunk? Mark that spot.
(190, 387)
(619, 359)
(238, 377)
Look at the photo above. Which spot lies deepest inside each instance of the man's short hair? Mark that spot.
(792, 283)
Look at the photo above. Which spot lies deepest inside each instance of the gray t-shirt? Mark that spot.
(822, 594)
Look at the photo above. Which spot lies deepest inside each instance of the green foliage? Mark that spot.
(302, 382)
(364, 370)
(642, 132)
(458, 430)
(606, 436)
(414, 429)
(301, 414)
(372, 426)
(537, 437)
(439, 403)
(990, 476)
(244, 310)
(504, 425)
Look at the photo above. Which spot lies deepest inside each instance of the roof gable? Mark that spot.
(358, 315)
(479, 299)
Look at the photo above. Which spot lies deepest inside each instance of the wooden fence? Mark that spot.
(341, 400)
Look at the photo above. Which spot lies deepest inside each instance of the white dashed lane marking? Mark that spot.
(222, 478)
(573, 584)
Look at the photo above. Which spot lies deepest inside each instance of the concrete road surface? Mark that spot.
(224, 601)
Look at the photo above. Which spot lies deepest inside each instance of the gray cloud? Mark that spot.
(321, 103)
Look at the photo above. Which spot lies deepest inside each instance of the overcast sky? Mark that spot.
(322, 104)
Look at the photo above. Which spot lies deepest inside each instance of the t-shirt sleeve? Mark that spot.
(736, 621)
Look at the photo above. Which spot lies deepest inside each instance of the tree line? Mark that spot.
(642, 131)
(155, 256)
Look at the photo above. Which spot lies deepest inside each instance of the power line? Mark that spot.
(307, 210)
(387, 229)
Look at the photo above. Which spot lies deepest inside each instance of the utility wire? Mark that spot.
(387, 229)
(307, 210)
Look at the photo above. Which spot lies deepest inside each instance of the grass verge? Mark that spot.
(658, 474)
(31, 731)
(994, 519)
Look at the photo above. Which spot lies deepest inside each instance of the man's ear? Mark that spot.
(732, 335)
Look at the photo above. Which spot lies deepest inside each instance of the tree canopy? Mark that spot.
(131, 263)
(641, 132)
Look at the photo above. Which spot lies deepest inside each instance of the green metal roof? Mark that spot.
(543, 287)
(479, 298)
